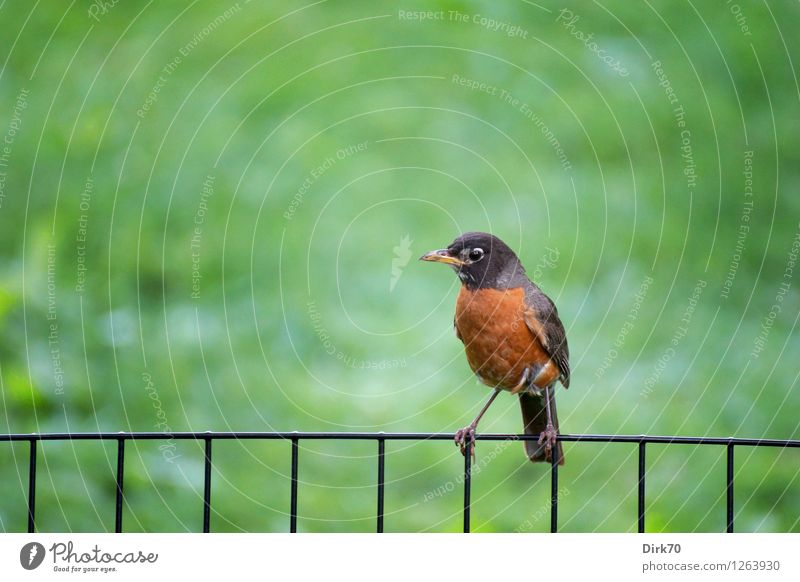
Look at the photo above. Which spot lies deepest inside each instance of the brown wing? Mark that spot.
(541, 317)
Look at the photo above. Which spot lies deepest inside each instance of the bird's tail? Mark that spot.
(534, 415)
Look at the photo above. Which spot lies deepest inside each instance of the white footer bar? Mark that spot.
(407, 557)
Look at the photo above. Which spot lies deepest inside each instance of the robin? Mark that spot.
(512, 337)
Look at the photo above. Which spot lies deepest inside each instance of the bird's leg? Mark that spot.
(465, 437)
(549, 434)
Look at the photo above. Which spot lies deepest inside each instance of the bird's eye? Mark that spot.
(475, 255)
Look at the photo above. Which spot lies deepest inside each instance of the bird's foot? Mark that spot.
(548, 438)
(465, 439)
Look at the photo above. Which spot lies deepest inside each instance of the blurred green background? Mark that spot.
(210, 215)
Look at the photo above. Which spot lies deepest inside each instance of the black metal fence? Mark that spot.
(380, 438)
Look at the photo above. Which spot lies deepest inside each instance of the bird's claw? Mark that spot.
(465, 438)
(548, 438)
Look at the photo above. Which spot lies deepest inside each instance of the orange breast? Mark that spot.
(498, 343)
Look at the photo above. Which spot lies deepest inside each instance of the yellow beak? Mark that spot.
(441, 256)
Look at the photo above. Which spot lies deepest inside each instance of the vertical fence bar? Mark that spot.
(207, 487)
(293, 502)
(642, 467)
(32, 487)
(467, 487)
(730, 488)
(554, 456)
(381, 478)
(120, 480)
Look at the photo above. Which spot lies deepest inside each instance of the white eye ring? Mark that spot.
(476, 254)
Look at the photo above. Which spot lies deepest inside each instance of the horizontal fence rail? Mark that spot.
(380, 438)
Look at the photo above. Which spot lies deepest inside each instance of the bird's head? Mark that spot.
(480, 260)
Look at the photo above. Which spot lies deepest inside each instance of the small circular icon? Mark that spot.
(31, 555)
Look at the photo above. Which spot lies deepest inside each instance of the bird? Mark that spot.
(513, 338)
